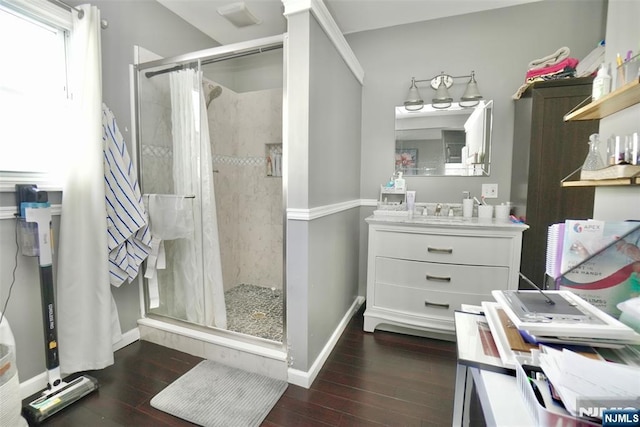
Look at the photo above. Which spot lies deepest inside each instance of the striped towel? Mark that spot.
(129, 239)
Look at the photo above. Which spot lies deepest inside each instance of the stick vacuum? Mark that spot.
(35, 225)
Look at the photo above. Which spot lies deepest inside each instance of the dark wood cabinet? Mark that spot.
(546, 149)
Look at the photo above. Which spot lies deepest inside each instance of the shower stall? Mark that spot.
(209, 155)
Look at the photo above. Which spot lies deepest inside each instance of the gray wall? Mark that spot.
(23, 311)
(497, 45)
(322, 254)
(142, 22)
(623, 33)
(334, 125)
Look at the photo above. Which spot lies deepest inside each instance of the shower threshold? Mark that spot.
(240, 351)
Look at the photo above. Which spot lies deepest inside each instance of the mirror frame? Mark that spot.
(443, 125)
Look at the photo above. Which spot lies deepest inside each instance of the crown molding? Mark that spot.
(328, 24)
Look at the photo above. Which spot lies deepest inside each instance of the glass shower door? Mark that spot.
(236, 107)
(177, 183)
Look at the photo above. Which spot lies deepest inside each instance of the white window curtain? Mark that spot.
(84, 301)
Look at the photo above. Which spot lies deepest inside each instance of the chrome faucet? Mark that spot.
(438, 209)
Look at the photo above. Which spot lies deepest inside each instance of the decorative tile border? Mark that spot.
(157, 151)
(167, 152)
(239, 161)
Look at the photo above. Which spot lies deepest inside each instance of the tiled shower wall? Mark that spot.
(249, 203)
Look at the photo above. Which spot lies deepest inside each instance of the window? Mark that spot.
(33, 86)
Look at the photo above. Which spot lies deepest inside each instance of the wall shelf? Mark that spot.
(616, 175)
(603, 182)
(618, 100)
(273, 159)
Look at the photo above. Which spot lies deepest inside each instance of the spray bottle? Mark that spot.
(399, 183)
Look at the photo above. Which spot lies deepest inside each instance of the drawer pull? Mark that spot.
(439, 250)
(435, 304)
(438, 278)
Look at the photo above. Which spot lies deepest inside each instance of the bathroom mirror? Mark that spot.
(444, 142)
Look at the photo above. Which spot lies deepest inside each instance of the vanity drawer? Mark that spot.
(423, 302)
(476, 250)
(441, 277)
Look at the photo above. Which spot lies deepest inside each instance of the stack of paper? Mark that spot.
(602, 383)
(575, 380)
(569, 320)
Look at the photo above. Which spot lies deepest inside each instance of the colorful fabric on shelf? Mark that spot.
(551, 69)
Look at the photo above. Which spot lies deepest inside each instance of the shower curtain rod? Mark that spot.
(190, 64)
(179, 196)
(103, 22)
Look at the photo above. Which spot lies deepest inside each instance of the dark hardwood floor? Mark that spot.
(368, 380)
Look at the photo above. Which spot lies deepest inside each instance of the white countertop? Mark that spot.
(443, 221)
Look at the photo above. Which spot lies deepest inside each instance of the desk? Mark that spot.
(499, 397)
(506, 403)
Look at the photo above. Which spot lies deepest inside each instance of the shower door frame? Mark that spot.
(222, 53)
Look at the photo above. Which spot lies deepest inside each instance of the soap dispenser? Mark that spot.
(399, 183)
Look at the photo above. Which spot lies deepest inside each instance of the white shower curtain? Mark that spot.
(197, 279)
(84, 301)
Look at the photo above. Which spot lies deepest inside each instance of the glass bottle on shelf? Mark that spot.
(615, 150)
(594, 160)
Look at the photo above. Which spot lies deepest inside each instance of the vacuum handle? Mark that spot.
(49, 317)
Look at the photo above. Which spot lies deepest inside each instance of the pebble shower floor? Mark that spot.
(255, 310)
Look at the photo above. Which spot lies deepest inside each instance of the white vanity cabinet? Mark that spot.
(420, 271)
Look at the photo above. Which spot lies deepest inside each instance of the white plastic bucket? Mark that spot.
(10, 404)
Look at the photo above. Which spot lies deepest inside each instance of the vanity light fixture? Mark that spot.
(414, 101)
(441, 83)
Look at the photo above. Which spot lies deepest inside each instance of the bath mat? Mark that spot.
(212, 394)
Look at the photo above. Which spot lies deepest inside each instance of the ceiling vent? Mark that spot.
(238, 14)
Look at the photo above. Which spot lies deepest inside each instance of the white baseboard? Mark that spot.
(295, 376)
(39, 382)
(33, 385)
(128, 337)
(305, 379)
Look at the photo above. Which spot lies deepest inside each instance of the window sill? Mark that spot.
(8, 181)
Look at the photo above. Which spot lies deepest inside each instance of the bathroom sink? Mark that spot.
(440, 219)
